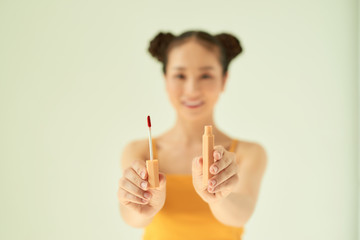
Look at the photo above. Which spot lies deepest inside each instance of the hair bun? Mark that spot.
(231, 45)
(159, 44)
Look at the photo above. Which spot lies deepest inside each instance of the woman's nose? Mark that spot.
(191, 86)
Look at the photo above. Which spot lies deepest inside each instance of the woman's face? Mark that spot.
(194, 79)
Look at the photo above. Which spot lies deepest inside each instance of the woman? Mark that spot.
(195, 67)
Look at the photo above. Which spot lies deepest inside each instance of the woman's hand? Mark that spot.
(225, 179)
(133, 190)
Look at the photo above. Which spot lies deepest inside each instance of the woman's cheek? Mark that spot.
(175, 98)
(173, 88)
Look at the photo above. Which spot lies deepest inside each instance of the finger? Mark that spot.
(162, 180)
(162, 184)
(139, 167)
(126, 197)
(208, 194)
(232, 181)
(218, 152)
(223, 175)
(197, 166)
(130, 187)
(223, 163)
(133, 177)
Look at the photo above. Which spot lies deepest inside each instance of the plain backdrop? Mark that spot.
(77, 82)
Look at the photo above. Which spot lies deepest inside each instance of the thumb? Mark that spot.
(197, 166)
(162, 180)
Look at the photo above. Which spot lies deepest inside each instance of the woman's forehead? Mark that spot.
(200, 68)
(193, 49)
(182, 59)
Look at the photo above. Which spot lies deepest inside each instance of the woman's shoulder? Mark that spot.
(134, 149)
(248, 145)
(137, 144)
(249, 148)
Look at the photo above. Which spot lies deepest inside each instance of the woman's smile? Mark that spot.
(192, 104)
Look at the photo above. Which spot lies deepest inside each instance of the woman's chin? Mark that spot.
(194, 115)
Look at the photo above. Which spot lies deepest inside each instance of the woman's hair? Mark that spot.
(228, 45)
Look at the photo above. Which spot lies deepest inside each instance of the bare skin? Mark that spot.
(194, 77)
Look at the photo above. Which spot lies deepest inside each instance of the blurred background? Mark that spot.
(77, 82)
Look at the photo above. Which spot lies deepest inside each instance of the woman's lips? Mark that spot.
(193, 104)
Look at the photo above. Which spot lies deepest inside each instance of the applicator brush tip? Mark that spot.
(148, 121)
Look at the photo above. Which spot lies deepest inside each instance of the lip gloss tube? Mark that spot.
(207, 153)
(152, 167)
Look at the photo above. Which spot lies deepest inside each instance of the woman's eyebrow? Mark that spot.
(179, 68)
(206, 67)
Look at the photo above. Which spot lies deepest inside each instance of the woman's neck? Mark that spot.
(190, 133)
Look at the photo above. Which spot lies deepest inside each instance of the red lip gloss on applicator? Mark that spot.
(152, 165)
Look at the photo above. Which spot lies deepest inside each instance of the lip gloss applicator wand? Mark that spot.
(152, 165)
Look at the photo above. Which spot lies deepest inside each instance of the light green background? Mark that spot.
(76, 84)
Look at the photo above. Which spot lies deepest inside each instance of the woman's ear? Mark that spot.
(224, 81)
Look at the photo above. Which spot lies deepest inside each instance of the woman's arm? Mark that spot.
(131, 216)
(237, 208)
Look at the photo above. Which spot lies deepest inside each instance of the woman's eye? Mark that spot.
(181, 76)
(206, 76)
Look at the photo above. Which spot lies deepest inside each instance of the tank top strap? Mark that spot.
(233, 145)
(154, 148)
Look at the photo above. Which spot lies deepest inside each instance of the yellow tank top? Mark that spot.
(185, 215)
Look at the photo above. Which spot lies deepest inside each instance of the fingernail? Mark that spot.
(147, 195)
(214, 169)
(212, 182)
(217, 154)
(142, 174)
(144, 185)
